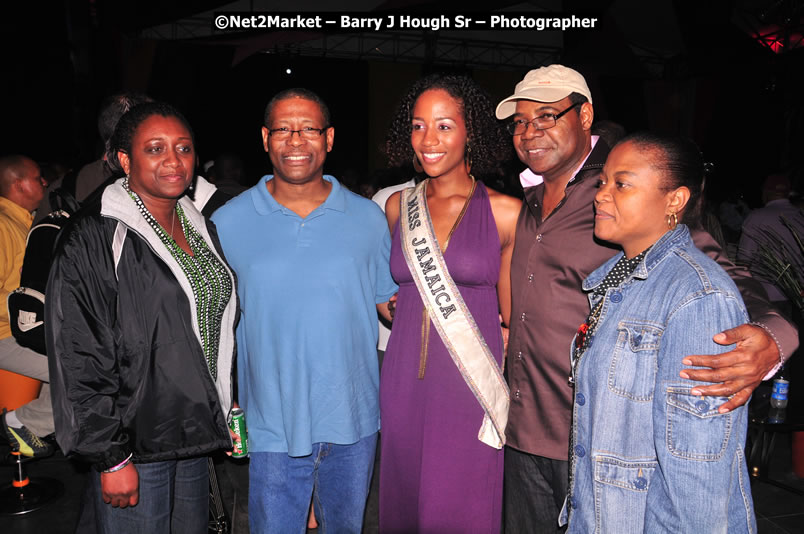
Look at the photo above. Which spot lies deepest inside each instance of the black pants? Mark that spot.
(534, 492)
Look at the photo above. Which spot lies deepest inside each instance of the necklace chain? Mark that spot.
(425, 342)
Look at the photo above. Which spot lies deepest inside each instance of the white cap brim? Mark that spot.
(507, 107)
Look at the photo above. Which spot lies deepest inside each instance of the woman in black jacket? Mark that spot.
(140, 323)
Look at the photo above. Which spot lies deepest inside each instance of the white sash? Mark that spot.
(451, 317)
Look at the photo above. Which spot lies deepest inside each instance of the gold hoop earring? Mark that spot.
(467, 158)
(672, 221)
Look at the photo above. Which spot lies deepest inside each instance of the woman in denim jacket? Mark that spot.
(645, 454)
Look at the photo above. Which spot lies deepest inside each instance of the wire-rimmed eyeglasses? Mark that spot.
(307, 132)
(542, 122)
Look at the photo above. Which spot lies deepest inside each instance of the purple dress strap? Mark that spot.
(435, 475)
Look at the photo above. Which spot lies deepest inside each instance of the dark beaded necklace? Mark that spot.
(614, 278)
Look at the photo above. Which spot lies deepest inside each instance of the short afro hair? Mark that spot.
(297, 92)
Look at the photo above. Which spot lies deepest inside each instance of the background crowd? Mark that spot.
(536, 215)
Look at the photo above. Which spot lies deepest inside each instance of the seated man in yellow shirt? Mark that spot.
(21, 189)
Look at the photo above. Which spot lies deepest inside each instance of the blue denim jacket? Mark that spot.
(648, 456)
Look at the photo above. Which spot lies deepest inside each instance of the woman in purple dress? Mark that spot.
(436, 475)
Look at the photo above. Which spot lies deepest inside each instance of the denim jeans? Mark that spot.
(337, 476)
(174, 498)
(534, 490)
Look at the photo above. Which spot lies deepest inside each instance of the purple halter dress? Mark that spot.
(435, 475)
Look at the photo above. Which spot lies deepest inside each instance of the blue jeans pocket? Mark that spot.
(632, 373)
(695, 429)
(621, 493)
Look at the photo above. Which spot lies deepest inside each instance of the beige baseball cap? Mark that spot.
(545, 84)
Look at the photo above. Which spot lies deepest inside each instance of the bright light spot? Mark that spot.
(287, 71)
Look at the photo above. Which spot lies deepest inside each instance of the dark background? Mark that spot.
(728, 74)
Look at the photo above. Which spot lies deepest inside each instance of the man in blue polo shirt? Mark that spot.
(312, 266)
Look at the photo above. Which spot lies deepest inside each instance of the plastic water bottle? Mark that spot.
(778, 401)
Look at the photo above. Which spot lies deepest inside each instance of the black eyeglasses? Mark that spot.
(306, 132)
(542, 122)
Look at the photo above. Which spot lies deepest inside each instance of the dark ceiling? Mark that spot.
(694, 67)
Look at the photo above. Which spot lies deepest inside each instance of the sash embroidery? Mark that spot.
(451, 317)
(425, 338)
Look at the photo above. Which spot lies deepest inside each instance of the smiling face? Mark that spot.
(559, 150)
(438, 133)
(162, 159)
(296, 159)
(631, 207)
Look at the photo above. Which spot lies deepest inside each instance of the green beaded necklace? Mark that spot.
(209, 278)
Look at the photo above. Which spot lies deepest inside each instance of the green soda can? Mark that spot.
(237, 423)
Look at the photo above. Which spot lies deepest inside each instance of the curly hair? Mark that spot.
(127, 126)
(484, 135)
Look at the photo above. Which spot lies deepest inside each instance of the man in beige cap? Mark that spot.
(551, 119)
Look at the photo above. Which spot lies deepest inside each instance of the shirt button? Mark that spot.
(522, 317)
(702, 406)
(580, 451)
(640, 483)
(530, 277)
(580, 399)
(616, 297)
(539, 238)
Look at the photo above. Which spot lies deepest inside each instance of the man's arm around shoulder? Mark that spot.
(761, 346)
